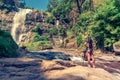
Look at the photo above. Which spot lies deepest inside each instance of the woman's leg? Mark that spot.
(88, 58)
(93, 61)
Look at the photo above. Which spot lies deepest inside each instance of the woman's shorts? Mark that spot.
(89, 51)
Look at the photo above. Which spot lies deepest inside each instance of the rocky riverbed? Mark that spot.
(45, 65)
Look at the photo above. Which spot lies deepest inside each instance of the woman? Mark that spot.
(89, 51)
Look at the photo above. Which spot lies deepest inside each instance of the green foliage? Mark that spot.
(65, 11)
(84, 23)
(7, 6)
(39, 42)
(7, 45)
(51, 20)
(39, 38)
(70, 34)
(79, 41)
(61, 31)
(4, 23)
(62, 10)
(86, 5)
(103, 24)
(5, 11)
(52, 4)
(107, 23)
(39, 45)
(52, 31)
(83, 27)
(37, 29)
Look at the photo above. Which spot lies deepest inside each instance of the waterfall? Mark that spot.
(18, 29)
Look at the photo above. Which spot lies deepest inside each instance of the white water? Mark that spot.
(77, 59)
(18, 29)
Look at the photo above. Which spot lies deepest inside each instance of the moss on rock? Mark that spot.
(8, 47)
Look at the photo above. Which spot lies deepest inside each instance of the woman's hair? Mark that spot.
(89, 40)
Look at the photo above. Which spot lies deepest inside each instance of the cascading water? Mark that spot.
(18, 29)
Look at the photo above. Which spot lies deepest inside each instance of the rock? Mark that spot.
(116, 48)
(79, 73)
(34, 16)
(7, 19)
(36, 69)
(22, 50)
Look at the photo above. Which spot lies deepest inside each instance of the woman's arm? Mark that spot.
(94, 45)
(86, 44)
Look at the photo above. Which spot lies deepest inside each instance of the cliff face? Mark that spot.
(7, 11)
(32, 18)
(6, 21)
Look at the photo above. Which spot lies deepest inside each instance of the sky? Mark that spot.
(37, 4)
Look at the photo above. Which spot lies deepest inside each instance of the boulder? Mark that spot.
(116, 48)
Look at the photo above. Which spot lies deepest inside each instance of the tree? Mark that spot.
(79, 5)
(103, 24)
(62, 11)
(106, 23)
(61, 34)
(52, 4)
(21, 4)
(7, 5)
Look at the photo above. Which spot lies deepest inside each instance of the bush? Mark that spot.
(62, 31)
(7, 45)
(40, 45)
(70, 34)
(39, 38)
(51, 20)
(4, 23)
(79, 41)
(7, 6)
(52, 31)
(5, 11)
(37, 29)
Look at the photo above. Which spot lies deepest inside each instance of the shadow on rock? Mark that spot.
(21, 69)
(110, 66)
(49, 55)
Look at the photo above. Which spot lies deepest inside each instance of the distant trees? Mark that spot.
(7, 5)
(103, 24)
(101, 20)
(107, 23)
(21, 3)
(52, 4)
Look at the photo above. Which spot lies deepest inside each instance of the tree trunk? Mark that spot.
(91, 5)
(102, 44)
(78, 5)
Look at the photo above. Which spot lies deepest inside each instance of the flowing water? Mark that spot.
(18, 29)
